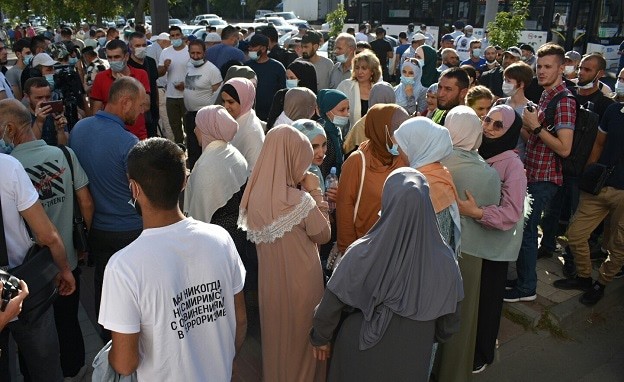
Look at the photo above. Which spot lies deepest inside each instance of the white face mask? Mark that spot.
(619, 88)
(140, 52)
(421, 62)
(569, 69)
(508, 89)
(588, 85)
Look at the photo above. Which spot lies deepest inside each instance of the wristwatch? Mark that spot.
(537, 130)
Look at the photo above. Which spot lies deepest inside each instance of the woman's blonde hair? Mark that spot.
(371, 61)
(476, 93)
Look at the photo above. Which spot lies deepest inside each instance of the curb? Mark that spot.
(571, 311)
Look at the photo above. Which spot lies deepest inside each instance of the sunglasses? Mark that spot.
(498, 125)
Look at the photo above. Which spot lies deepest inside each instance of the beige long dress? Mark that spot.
(290, 286)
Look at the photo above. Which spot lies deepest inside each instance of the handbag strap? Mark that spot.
(77, 212)
(4, 252)
(357, 202)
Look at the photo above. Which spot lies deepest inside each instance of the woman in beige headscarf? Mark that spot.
(286, 224)
(299, 103)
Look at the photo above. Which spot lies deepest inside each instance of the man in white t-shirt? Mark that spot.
(173, 298)
(173, 62)
(202, 80)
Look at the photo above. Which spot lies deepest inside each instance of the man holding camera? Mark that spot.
(52, 176)
(38, 340)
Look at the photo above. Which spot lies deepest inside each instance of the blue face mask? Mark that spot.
(117, 66)
(340, 121)
(102, 41)
(394, 150)
(50, 79)
(197, 63)
(27, 59)
(292, 83)
(253, 55)
(407, 80)
(73, 60)
(176, 42)
(5, 148)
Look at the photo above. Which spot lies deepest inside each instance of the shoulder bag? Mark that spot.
(38, 271)
(79, 233)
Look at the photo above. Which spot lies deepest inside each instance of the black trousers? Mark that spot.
(493, 277)
(103, 246)
(193, 149)
(68, 329)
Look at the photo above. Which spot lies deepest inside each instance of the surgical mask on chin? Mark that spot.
(27, 59)
(407, 80)
(117, 66)
(619, 88)
(6, 148)
(197, 63)
(140, 52)
(253, 55)
(341, 58)
(394, 150)
(50, 79)
(587, 85)
(569, 69)
(476, 53)
(176, 42)
(291, 83)
(508, 89)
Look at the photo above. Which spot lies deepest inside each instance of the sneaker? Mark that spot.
(476, 369)
(510, 284)
(514, 295)
(592, 296)
(580, 283)
(544, 253)
(569, 269)
(619, 274)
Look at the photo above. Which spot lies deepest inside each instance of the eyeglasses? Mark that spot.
(498, 125)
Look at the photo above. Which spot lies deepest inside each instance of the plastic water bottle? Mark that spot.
(331, 181)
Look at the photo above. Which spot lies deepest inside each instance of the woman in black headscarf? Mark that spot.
(403, 286)
(299, 74)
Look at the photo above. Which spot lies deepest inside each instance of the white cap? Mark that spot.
(43, 59)
(468, 27)
(163, 36)
(418, 37)
(212, 37)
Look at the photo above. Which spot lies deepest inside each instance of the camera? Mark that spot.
(11, 287)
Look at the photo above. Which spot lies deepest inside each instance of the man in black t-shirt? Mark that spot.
(139, 60)
(383, 50)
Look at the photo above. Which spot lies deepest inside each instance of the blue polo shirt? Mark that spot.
(221, 53)
(102, 144)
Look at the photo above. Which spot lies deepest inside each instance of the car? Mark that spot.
(203, 19)
(177, 22)
(218, 23)
(262, 12)
(288, 16)
(279, 23)
(147, 19)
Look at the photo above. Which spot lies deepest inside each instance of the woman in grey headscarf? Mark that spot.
(381, 92)
(403, 285)
(233, 72)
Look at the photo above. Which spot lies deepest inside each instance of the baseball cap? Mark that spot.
(527, 47)
(212, 37)
(418, 37)
(514, 51)
(448, 37)
(311, 37)
(43, 59)
(259, 39)
(163, 36)
(573, 55)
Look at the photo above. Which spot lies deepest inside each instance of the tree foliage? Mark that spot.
(336, 19)
(506, 27)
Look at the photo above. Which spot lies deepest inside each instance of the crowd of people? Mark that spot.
(204, 172)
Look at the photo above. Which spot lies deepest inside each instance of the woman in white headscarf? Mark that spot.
(402, 286)
(410, 93)
(469, 171)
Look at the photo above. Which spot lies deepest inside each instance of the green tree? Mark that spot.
(506, 27)
(336, 19)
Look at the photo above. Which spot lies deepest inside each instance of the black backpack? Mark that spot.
(585, 131)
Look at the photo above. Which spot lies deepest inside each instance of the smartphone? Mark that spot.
(57, 106)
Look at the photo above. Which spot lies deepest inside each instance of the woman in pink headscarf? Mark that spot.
(217, 182)
(238, 96)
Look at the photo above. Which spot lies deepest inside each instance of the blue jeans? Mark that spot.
(541, 193)
(562, 205)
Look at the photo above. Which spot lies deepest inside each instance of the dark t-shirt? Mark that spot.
(271, 78)
(381, 48)
(601, 102)
(613, 124)
(493, 80)
(150, 66)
